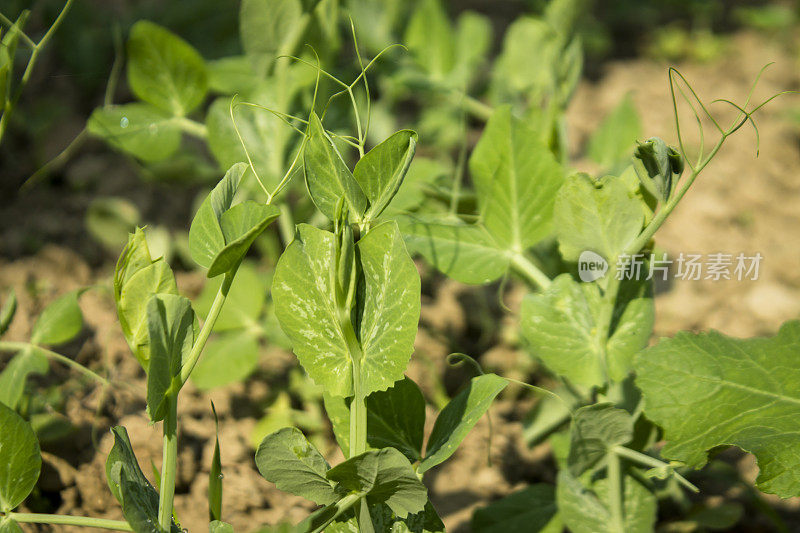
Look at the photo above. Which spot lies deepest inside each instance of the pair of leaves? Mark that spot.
(138, 498)
(750, 389)
(560, 326)
(20, 460)
(169, 78)
(374, 181)
(516, 181)
(221, 233)
(385, 476)
(396, 418)
(305, 305)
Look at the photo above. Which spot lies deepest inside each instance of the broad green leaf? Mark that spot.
(215, 526)
(381, 171)
(16, 372)
(110, 220)
(596, 429)
(338, 410)
(60, 321)
(516, 180)
(136, 279)
(597, 215)
(464, 252)
(267, 26)
(429, 37)
(8, 311)
(170, 323)
(587, 511)
(138, 128)
(383, 519)
(287, 459)
(305, 306)
(215, 477)
(559, 327)
(244, 304)
(385, 476)
(132, 490)
(459, 417)
(390, 318)
(220, 235)
(413, 191)
(164, 70)
(327, 175)
(7, 525)
(613, 141)
(396, 418)
(20, 460)
(530, 510)
(473, 38)
(631, 326)
(232, 75)
(228, 358)
(750, 390)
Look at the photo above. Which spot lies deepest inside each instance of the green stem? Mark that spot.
(286, 224)
(205, 331)
(169, 466)
(616, 493)
(525, 267)
(192, 127)
(58, 161)
(476, 108)
(652, 462)
(8, 346)
(66, 520)
(341, 506)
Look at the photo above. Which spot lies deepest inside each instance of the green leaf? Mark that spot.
(16, 372)
(8, 311)
(20, 460)
(752, 385)
(305, 306)
(227, 359)
(459, 417)
(327, 175)
(126, 480)
(631, 326)
(596, 429)
(60, 321)
(530, 510)
(232, 75)
(338, 410)
(597, 215)
(385, 476)
(164, 70)
(396, 418)
(138, 128)
(215, 476)
(220, 235)
(287, 459)
(429, 37)
(587, 511)
(613, 141)
(473, 41)
(7, 525)
(464, 252)
(244, 304)
(170, 322)
(381, 171)
(136, 279)
(215, 526)
(110, 220)
(383, 519)
(266, 26)
(516, 180)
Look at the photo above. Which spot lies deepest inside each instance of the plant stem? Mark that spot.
(525, 267)
(169, 466)
(9, 346)
(286, 224)
(616, 492)
(205, 331)
(66, 520)
(476, 108)
(58, 161)
(646, 460)
(341, 506)
(192, 127)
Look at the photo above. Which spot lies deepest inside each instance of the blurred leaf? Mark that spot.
(164, 70)
(215, 526)
(429, 37)
(110, 220)
(20, 460)
(51, 427)
(613, 140)
(244, 304)
(232, 75)
(138, 128)
(60, 321)
(16, 372)
(227, 358)
(8, 311)
(267, 26)
(530, 510)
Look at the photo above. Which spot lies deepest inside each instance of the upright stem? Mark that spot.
(169, 466)
(65, 520)
(616, 493)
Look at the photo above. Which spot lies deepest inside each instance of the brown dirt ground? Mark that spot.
(740, 204)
